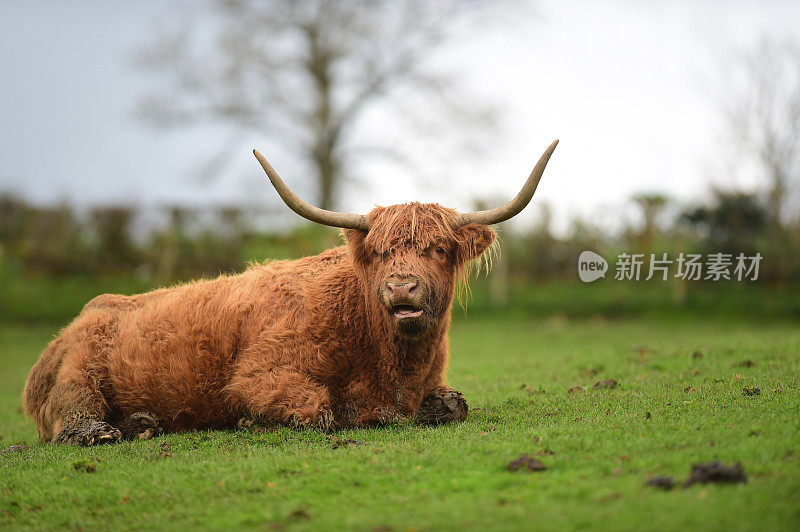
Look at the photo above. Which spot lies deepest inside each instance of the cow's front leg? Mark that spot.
(368, 403)
(442, 405)
(283, 396)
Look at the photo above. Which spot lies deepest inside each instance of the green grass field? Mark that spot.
(679, 401)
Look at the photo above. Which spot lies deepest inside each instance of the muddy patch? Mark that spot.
(608, 384)
(166, 450)
(84, 466)
(707, 473)
(751, 392)
(337, 442)
(526, 463)
(663, 482)
(15, 449)
(715, 472)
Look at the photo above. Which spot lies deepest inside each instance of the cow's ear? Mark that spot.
(472, 240)
(355, 244)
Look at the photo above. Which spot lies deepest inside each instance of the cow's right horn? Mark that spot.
(306, 210)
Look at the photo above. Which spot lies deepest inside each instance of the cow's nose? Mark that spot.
(401, 291)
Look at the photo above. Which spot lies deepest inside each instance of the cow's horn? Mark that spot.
(308, 211)
(513, 207)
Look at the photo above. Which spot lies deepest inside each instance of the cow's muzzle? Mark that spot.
(403, 297)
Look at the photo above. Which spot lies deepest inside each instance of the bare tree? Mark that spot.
(763, 115)
(651, 205)
(307, 72)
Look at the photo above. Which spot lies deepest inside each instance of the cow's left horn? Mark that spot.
(513, 207)
(308, 211)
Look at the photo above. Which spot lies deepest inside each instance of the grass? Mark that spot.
(672, 408)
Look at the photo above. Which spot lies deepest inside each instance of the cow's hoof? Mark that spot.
(88, 432)
(246, 423)
(387, 416)
(141, 426)
(442, 406)
(255, 425)
(323, 420)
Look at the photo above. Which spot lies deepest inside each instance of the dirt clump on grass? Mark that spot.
(15, 449)
(337, 442)
(608, 384)
(710, 472)
(751, 392)
(166, 450)
(84, 466)
(527, 463)
(716, 472)
(664, 482)
(575, 389)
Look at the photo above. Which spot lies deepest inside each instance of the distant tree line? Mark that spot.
(729, 222)
(57, 241)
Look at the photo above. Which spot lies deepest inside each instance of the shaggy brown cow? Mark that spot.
(355, 336)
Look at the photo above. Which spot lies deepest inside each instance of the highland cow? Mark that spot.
(355, 336)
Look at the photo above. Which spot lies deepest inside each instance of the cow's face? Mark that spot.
(410, 260)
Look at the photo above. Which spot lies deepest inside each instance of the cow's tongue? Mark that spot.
(407, 312)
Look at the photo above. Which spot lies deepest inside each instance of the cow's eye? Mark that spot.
(440, 251)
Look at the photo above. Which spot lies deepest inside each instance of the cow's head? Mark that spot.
(410, 257)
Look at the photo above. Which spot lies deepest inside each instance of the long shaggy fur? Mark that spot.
(308, 342)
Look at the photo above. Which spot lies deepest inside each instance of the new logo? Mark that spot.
(591, 266)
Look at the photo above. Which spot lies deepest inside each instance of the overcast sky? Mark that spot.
(625, 85)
